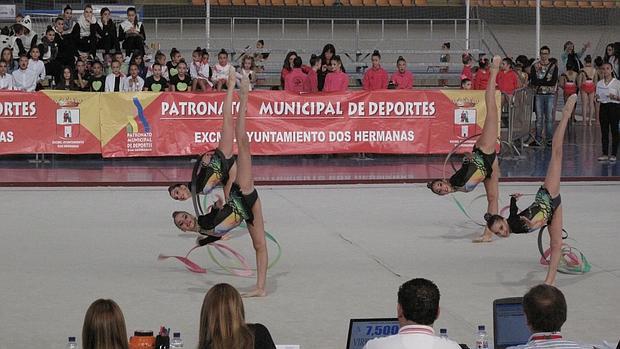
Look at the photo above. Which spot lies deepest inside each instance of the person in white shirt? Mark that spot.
(200, 71)
(133, 82)
(115, 82)
(36, 65)
(418, 308)
(24, 79)
(220, 70)
(608, 95)
(6, 79)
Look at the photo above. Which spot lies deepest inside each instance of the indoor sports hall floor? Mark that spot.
(346, 249)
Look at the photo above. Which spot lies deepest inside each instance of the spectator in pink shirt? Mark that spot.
(468, 61)
(375, 78)
(311, 84)
(337, 80)
(287, 68)
(402, 78)
(294, 81)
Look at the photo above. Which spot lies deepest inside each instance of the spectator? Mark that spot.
(570, 56)
(133, 82)
(67, 81)
(248, 69)
(181, 82)
(329, 51)
(468, 62)
(608, 95)
(311, 84)
(598, 64)
(138, 59)
(444, 58)
(156, 82)
(223, 326)
(48, 49)
(544, 79)
(24, 79)
(68, 23)
(175, 59)
(87, 27)
(336, 80)
(587, 85)
(568, 82)
(375, 78)
(260, 55)
(104, 326)
(82, 76)
(466, 84)
(481, 79)
(160, 58)
(7, 57)
(287, 68)
(107, 39)
(36, 65)
(200, 71)
(115, 82)
(507, 79)
(6, 79)
(66, 43)
(294, 81)
(545, 310)
(131, 33)
(611, 57)
(107, 63)
(118, 56)
(25, 37)
(417, 309)
(522, 67)
(96, 83)
(220, 70)
(402, 79)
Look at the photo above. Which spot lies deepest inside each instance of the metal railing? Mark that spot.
(520, 107)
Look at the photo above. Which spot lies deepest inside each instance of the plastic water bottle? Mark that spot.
(176, 342)
(72, 344)
(482, 340)
(443, 333)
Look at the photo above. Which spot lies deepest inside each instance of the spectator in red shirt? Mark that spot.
(294, 81)
(481, 80)
(402, 78)
(507, 78)
(468, 61)
(375, 78)
(287, 67)
(337, 80)
(466, 84)
(311, 84)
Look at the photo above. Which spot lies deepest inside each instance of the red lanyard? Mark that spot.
(547, 337)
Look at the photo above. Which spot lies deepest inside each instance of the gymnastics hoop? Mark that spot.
(573, 261)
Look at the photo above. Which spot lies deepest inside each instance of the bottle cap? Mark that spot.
(480, 327)
(71, 339)
(443, 330)
(143, 333)
(176, 335)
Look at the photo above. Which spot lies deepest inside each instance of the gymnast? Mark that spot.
(481, 165)
(547, 206)
(242, 203)
(217, 168)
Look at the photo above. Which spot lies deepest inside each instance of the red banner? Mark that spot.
(278, 122)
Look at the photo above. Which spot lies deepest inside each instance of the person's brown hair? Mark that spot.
(104, 326)
(222, 320)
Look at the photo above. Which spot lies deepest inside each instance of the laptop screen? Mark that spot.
(510, 325)
(363, 330)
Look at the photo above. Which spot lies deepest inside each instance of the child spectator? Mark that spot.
(131, 33)
(87, 26)
(337, 80)
(375, 78)
(481, 80)
(133, 82)
(160, 58)
(48, 49)
(311, 84)
(24, 79)
(466, 84)
(507, 79)
(25, 37)
(329, 51)
(36, 66)
(96, 83)
(138, 59)
(175, 59)
(115, 82)
(468, 62)
(181, 82)
(67, 82)
(287, 68)
(81, 75)
(7, 57)
(294, 81)
(156, 82)
(107, 39)
(118, 56)
(200, 71)
(220, 70)
(248, 69)
(402, 79)
(6, 79)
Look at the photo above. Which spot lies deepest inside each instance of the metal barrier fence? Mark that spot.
(520, 107)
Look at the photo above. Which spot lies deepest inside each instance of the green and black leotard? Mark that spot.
(216, 172)
(475, 169)
(539, 213)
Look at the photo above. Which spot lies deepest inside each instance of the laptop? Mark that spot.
(509, 323)
(363, 330)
